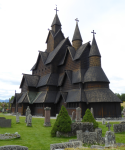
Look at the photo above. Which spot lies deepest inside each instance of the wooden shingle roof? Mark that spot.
(101, 95)
(95, 74)
(77, 35)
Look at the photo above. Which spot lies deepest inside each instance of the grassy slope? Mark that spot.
(38, 137)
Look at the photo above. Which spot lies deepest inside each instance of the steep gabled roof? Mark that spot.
(94, 51)
(41, 97)
(54, 34)
(101, 95)
(56, 21)
(16, 97)
(78, 75)
(43, 80)
(48, 79)
(31, 80)
(22, 97)
(63, 94)
(52, 54)
(69, 74)
(77, 35)
(72, 51)
(95, 73)
(42, 55)
(80, 51)
(63, 59)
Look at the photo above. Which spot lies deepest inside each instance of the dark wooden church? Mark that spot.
(68, 74)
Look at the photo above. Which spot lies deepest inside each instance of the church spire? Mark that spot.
(77, 39)
(94, 54)
(94, 51)
(56, 25)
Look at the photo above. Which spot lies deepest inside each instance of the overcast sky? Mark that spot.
(24, 28)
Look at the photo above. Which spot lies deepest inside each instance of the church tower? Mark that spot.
(55, 35)
(77, 39)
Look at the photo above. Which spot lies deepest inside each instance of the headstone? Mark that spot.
(123, 113)
(28, 111)
(92, 111)
(108, 125)
(47, 116)
(78, 114)
(56, 116)
(103, 121)
(17, 118)
(29, 120)
(109, 139)
(5, 123)
(73, 116)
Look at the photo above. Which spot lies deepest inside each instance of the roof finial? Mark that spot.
(56, 9)
(93, 32)
(76, 20)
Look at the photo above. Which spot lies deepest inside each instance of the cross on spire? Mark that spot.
(56, 9)
(93, 32)
(77, 20)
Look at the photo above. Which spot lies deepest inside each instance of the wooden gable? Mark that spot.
(24, 86)
(50, 43)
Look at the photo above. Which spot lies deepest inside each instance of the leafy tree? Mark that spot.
(62, 123)
(123, 96)
(88, 117)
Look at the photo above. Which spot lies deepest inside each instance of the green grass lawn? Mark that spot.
(38, 137)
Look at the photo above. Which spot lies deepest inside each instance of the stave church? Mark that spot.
(67, 73)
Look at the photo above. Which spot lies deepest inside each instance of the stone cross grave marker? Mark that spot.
(92, 111)
(47, 117)
(108, 125)
(73, 116)
(28, 111)
(103, 121)
(109, 139)
(29, 120)
(17, 118)
(78, 114)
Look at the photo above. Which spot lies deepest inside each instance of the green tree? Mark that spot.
(88, 117)
(62, 123)
(118, 95)
(123, 96)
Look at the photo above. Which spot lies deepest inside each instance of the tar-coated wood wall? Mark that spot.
(94, 61)
(67, 85)
(42, 69)
(96, 85)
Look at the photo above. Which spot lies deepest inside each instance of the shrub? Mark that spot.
(62, 123)
(122, 108)
(88, 117)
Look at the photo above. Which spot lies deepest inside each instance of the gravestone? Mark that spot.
(28, 111)
(56, 116)
(29, 120)
(17, 118)
(92, 111)
(123, 113)
(78, 114)
(73, 116)
(103, 121)
(108, 125)
(5, 123)
(47, 117)
(109, 139)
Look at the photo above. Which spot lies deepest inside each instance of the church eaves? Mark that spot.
(77, 35)
(56, 21)
(94, 51)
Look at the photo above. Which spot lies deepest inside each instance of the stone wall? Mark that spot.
(119, 127)
(13, 147)
(74, 144)
(90, 137)
(77, 126)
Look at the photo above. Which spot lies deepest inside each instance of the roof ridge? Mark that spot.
(77, 34)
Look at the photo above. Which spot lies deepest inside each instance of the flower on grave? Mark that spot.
(16, 132)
